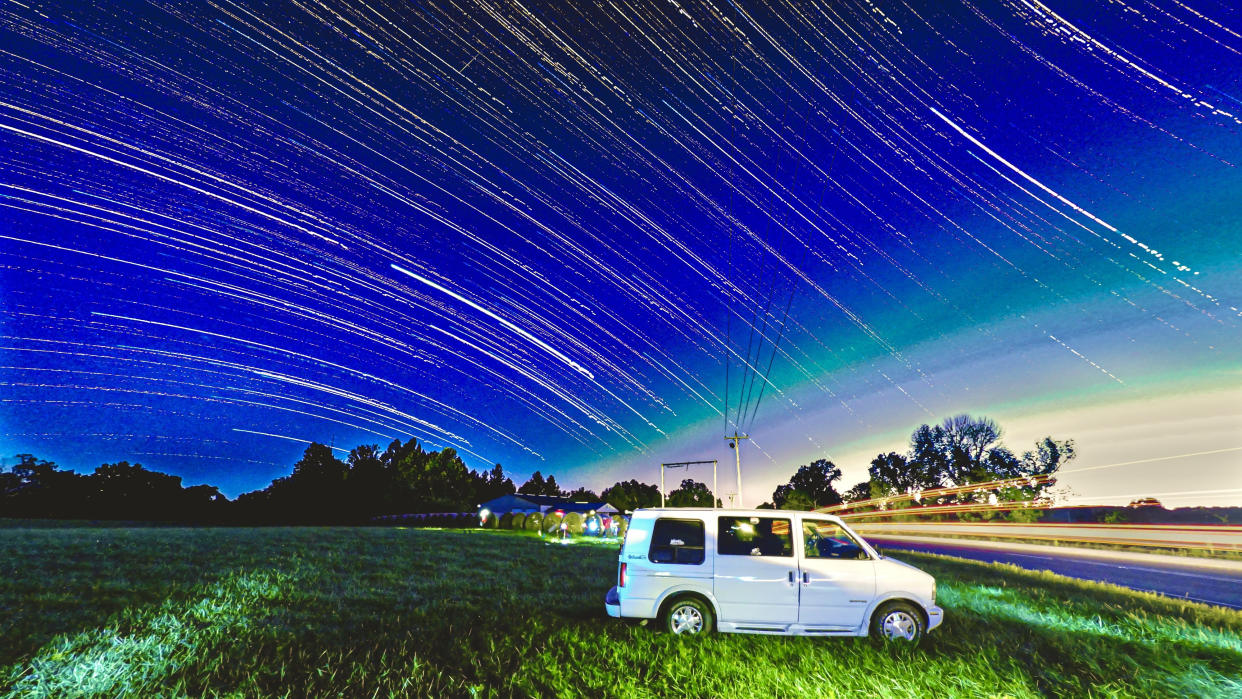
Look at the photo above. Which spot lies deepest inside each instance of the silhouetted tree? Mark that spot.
(931, 465)
(894, 474)
(39, 488)
(535, 485)
(815, 483)
(497, 484)
(859, 491)
(129, 491)
(370, 487)
(795, 499)
(631, 495)
(691, 494)
(582, 495)
(963, 450)
(538, 486)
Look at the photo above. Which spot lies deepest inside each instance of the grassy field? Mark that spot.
(381, 612)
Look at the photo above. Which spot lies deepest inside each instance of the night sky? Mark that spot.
(589, 237)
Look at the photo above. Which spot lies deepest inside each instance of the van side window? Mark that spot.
(755, 536)
(824, 539)
(677, 541)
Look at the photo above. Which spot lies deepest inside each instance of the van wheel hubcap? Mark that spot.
(687, 619)
(899, 624)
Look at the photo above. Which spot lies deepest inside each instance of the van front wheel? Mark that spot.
(688, 616)
(897, 621)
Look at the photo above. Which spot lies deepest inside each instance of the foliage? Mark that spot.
(582, 495)
(963, 450)
(894, 474)
(1116, 516)
(404, 478)
(811, 486)
(322, 489)
(37, 488)
(796, 500)
(859, 491)
(691, 494)
(630, 495)
(384, 612)
(538, 486)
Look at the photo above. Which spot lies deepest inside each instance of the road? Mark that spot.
(1223, 537)
(1211, 581)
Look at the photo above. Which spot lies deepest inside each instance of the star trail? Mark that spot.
(584, 237)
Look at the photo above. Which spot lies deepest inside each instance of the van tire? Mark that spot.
(688, 616)
(897, 621)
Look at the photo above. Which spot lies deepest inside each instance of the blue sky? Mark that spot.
(586, 240)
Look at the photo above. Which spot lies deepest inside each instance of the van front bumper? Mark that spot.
(612, 603)
(935, 615)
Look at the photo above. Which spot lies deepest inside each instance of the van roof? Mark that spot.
(726, 511)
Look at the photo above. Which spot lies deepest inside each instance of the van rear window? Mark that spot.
(677, 541)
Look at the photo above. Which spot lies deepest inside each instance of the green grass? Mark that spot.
(382, 612)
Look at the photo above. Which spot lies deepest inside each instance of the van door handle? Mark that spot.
(791, 578)
(806, 578)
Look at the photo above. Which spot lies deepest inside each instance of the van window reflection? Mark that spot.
(824, 539)
(755, 536)
(677, 541)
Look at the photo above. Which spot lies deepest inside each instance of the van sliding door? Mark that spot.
(756, 571)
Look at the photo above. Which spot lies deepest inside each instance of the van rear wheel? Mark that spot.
(897, 621)
(688, 616)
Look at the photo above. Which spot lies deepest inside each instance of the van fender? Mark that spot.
(890, 596)
(701, 591)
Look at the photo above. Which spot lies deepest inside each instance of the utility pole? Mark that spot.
(733, 444)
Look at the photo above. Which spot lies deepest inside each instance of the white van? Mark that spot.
(766, 571)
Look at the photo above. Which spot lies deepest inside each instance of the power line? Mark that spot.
(771, 360)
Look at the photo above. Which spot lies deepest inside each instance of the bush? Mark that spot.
(506, 521)
(1025, 516)
(623, 524)
(518, 522)
(492, 522)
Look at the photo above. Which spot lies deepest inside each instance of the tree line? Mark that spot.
(406, 478)
(961, 450)
(403, 478)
